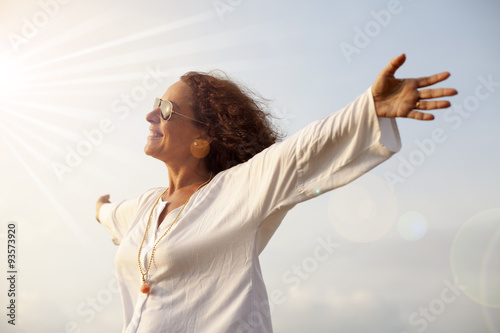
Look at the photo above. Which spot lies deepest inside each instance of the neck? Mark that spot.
(183, 178)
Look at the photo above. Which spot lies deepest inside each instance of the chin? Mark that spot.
(149, 151)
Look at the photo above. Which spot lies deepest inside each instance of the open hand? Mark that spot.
(401, 97)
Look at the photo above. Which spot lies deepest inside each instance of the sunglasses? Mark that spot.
(167, 109)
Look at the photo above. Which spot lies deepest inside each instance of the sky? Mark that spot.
(412, 246)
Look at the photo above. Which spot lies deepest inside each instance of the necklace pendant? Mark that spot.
(145, 288)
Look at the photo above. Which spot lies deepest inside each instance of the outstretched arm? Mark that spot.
(402, 97)
(101, 201)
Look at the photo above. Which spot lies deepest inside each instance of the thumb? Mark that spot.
(394, 64)
(104, 199)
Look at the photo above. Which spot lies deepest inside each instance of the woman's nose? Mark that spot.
(153, 116)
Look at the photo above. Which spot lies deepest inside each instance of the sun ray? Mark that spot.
(62, 132)
(102, 91)
(196, 19)
(36, 138)
(36, 154)
(64, 111)
(159, 54)
(110, 78)
(70, 222)
(67, 36)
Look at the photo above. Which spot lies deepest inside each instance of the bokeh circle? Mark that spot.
(412, 225)
(475, 258)
(364, 210)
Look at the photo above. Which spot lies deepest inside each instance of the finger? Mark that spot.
(420, 115)
(433, 79)
(436, 93)
(394, 64)
(104, 198)
(432, 105)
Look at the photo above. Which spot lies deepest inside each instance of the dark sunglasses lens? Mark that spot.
(165, 108)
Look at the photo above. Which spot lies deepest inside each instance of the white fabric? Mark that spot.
(206, 275)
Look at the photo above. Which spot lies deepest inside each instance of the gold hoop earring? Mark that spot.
(200, 148)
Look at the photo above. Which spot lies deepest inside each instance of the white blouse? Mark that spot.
(206, 275)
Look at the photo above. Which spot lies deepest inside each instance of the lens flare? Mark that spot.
(363, 211)
(475, 258)
(412, 226)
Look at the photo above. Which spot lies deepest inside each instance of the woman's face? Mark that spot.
(169, 141)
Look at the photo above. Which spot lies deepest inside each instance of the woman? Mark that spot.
(188, 254)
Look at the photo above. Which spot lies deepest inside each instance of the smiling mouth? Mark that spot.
(153, 134)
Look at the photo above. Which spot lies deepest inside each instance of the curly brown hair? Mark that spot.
(238, 123)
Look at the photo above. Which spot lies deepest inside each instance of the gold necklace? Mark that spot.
(145, 288)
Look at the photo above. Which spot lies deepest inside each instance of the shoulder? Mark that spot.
(151, 195)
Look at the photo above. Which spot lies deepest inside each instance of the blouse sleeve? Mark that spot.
(118, 217)
(326, 154)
